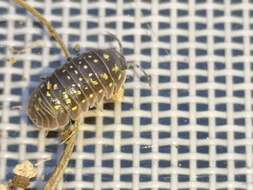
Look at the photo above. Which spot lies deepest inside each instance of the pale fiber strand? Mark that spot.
(63, 162)
(50, 28)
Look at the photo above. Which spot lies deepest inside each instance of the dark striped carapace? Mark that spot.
(82, 82)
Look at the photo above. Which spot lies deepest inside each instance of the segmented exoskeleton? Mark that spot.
(82, 82)
(62, 97)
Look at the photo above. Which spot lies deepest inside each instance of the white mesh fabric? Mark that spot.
(191, 129)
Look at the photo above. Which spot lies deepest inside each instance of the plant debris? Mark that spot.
(24, 173)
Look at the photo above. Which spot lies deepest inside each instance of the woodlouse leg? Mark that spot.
(77, 49)
(67, 133)
(132, 65)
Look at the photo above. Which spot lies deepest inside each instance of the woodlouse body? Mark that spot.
(79, 84)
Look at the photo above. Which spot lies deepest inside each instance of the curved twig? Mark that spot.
(63, 162)
(50, 28)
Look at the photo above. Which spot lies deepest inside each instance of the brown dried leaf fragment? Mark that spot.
(24, 172)
(26, 169)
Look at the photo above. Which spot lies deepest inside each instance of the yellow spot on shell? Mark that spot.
(80, 79)
(100, 91)
(65, 96)
(78, 92)
(55, 86)
(83, 101)
(119, 77)
(91, 95)
(49, 85)
(95, 61)
(68, 101)
(72, 91)
(104, 76)
(106, 56)
(89, 56)
(110, 85)
(115, 68)
(94, 82)
(74, 108)
(48, 94)
(57, 107)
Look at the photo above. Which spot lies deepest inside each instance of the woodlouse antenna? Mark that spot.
(117, 39)
(132, 65)
(43, 78)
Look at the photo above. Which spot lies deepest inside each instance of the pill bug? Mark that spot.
(83, 81)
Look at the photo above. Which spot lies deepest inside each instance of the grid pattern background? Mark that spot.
(192, 129)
